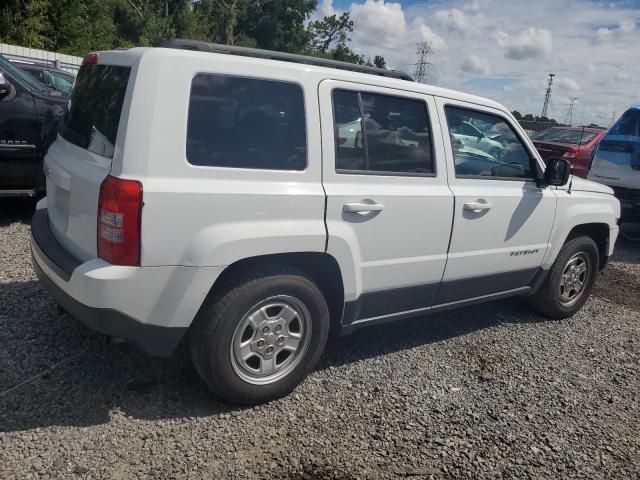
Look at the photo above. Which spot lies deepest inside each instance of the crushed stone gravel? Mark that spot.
(483, 392)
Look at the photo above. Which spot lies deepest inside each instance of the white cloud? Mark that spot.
(531, 43)
(567, 83)
(429, 35)
(476, 64)
(627, 25)
(602, 35)
(381, 24)
(476, 5)
(326, 8)
(603, 73)
(453, 19)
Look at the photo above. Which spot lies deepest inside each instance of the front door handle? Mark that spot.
(362, 207)
(477, 206)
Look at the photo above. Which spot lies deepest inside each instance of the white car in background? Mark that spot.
(472, 137)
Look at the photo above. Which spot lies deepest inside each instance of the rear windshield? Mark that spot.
(562, 135)
(629, 124)
(95, 106)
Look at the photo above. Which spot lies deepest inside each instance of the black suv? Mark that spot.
(30, 113)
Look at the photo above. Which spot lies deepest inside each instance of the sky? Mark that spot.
(505, 49)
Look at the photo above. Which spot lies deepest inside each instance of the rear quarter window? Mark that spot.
(239, 122)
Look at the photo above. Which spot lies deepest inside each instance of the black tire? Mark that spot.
(212, 335)
(546, 300)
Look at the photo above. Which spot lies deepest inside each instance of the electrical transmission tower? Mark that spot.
(423, 52)
(569, 118)
(547, 97)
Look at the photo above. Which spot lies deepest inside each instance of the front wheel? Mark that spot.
(570, 280)
(259, 340)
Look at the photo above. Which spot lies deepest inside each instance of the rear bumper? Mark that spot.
(153, 339)
(151, 307)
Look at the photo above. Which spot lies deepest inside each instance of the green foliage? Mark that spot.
(379, 62)
(331, 30)
(80, 26)
(24, 22)
(330, 38)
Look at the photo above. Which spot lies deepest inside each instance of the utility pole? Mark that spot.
(569, 118)
(547, 97)
(423, 52)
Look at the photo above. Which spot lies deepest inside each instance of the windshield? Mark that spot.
(61, 81)
(566, 135)
(22, 76)
(629, 124)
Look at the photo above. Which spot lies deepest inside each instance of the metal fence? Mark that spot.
(68, 63)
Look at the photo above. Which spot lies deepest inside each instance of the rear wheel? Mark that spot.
(570, 280)
(260, 339)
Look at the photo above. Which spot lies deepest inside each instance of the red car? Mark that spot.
(576, 144)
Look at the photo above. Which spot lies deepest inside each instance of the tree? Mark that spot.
(330, 38)
(331, 30)
(379, 62)
(24, 22)
(80, 26)
(276, 24)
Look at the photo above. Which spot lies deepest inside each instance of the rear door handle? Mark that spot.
(361, 207)
(477, 206)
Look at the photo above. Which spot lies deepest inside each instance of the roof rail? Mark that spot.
(199, 46)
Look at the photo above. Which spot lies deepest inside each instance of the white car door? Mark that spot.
(502, 219)
(389, 209)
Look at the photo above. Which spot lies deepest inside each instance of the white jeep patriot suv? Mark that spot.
(257, 200)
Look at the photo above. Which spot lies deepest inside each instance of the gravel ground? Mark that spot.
(484, 392)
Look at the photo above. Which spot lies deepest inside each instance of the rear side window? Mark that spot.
(381, 134)
(95, 106)
(246, 123)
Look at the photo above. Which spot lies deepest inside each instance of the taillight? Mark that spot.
(119, 215)
(90, 58)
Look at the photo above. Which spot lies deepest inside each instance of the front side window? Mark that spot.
(381, 134)
(240, 122)
(493, 151)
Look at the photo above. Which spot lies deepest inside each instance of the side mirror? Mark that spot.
(557, 172)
